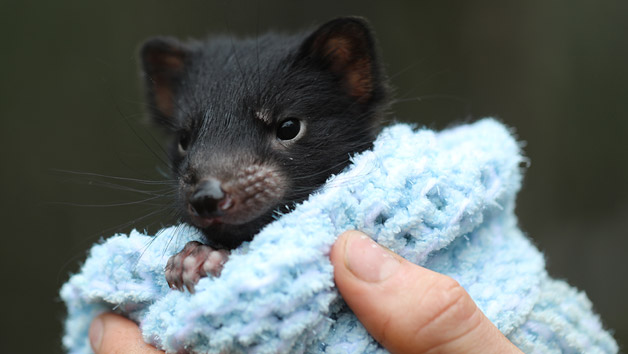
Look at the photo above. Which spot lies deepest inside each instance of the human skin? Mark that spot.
(405, 307)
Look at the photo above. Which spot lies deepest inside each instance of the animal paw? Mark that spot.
(195, 261)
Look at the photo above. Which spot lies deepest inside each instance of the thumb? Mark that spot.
(111, 333)
(407, 308)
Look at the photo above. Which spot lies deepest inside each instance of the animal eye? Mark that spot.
(184, 142)
(289, 129)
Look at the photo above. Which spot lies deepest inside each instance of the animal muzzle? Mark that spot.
(244, 196)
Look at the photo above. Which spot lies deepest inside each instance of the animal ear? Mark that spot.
(163, 63)
(345, 46)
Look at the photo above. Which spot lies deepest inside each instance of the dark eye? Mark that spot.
(288, 129)
(184, 142)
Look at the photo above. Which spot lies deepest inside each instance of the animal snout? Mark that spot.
(209, 200)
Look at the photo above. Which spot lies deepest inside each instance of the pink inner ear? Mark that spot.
(164, 98)
(356, 71)
(359, 80)
(164, 66)
(339, 50)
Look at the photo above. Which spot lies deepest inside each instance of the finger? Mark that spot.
(408, 308)
(111, 334)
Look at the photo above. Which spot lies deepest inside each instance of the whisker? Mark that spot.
(90, 239)
(431, 97)
(144, 201)
(411, 66)
(421, 82)
(146, 145)
(129, 179)
(234, 53)
(259, 73)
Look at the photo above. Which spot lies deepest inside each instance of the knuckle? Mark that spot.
(448, 313)
(449, 302)
(384, 333)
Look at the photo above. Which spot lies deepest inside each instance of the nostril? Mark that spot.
(206, 198)
(204, 207)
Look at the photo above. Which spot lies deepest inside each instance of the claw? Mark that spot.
(196, 260)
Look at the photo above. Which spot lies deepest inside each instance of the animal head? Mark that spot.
(258, 124)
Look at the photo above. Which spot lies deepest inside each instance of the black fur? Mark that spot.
(207, 94)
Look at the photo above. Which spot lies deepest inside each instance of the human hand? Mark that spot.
(111, 334)
(407, 308)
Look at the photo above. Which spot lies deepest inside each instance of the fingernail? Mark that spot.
(95, 333)
(367, 260)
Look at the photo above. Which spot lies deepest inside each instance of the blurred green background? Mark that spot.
(70, 99)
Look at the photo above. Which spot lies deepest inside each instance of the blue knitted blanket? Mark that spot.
(444, 200)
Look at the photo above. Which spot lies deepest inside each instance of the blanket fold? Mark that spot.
(443, 200)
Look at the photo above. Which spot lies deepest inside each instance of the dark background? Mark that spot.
(70, 99)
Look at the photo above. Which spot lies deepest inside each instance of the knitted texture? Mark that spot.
(444, 200)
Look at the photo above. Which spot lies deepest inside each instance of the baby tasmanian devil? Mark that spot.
(257, 125)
